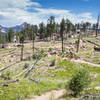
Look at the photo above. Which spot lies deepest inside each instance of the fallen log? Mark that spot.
(36, 81)
(93, 43)
(21, 73)
(96, 49)
(1, 69)
(26, 74)
(5, 84)
(9, 53)
(91, 96)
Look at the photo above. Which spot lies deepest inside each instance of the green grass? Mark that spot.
(25, 88)
(50, 79)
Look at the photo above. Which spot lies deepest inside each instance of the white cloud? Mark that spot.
(51, 11)
(16, 12)
(23, 4)
(86, 15)
(75, 18)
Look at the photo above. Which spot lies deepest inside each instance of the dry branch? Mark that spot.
(9, 82)
(92, 96)
(26, 74)
(8, 66)
(92, 43)
(21, 73)
(11, 52)
(96, 49)
(36, 81)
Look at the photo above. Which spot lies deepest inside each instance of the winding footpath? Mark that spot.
(85, 62)
(53, 95)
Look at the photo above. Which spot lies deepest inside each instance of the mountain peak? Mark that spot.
(24, 23)
(16, 28)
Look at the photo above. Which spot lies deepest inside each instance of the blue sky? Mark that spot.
(76, 6)
(13, 12)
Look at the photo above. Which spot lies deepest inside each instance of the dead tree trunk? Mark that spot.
(1, 69)
(33, 45)
(62, 42)
(36, 81)
(66, 35)
(5, 84)
(93, 43)
(22, 47)
(78, 44)
(97, 26)
(29, 70)
(26, 74)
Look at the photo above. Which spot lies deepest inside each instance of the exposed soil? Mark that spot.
(53, 95)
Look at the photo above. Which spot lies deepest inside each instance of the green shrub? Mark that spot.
(6, 76)
(38, 54)
(26, 65)
(42, 51)
(76, 42)
(64, 55)
(53, 62)
(35, 56)
(50, 49)
(79, 81)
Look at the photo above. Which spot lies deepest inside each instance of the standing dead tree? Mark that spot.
(97, 25)
(22, 39)
(78, 44)
(62, 29)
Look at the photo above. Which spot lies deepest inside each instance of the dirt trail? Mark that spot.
(82, 61)
(55, 94)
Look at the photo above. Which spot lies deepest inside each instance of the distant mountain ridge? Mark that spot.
(16, 28)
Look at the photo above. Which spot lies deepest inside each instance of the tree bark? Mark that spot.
(78, 45)
(22, 51)
(29, 70)
(33, 45)
(62, 43)
(97, 26)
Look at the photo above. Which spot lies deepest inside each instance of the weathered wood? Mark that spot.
(97, 26)
(13, 51)
(78, 45)
(5, 84)
(22, 48)
(96, 49)
(1, 69)
(36, 81)
(92, 43)
(21, 73)
(62, 42)
(92, 96)
(26, 74)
